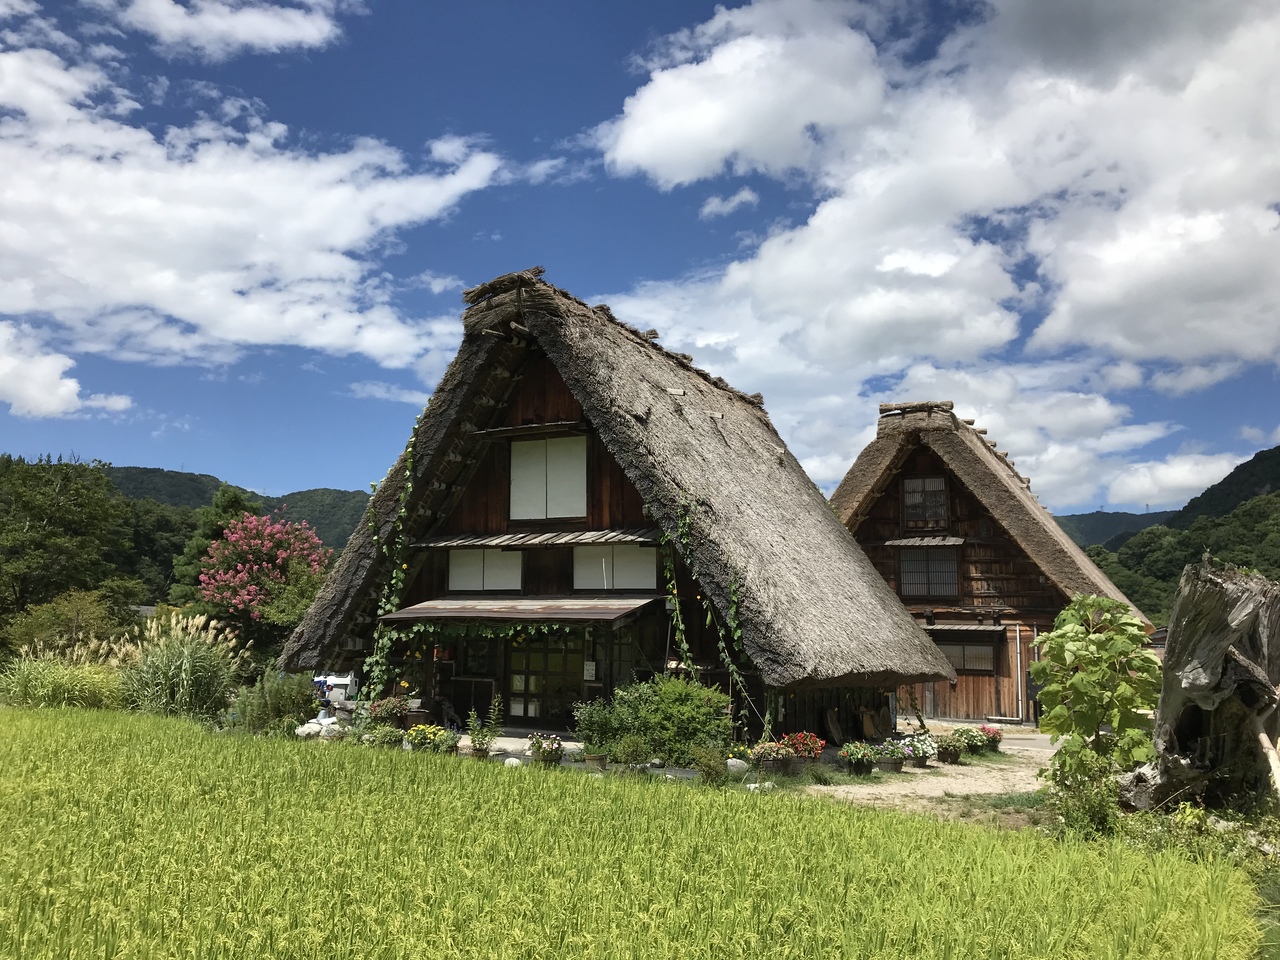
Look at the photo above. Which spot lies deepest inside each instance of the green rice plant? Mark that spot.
(177, 843)
(50, 682)
(187, 668)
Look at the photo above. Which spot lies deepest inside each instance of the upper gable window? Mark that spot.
(924, 503)
(549, 478)
(928, 572)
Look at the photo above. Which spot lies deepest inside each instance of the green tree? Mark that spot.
(74, 616)
(158, 533)
(60, 521)
(229, 504)
(1099, 683)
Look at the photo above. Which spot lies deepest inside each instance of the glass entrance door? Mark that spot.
(545, 679)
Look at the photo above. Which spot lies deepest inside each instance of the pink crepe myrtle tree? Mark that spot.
(262, 574)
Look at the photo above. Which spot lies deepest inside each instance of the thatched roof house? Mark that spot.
(671, 451)
(956, 531)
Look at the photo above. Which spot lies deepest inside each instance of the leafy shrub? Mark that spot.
(594, 722)
(670, 714)
(1085, 796)
(857, 751)
(276, 704)
(187, 667)
(710, 763)
(632, 750)
(1099, 684)
(48, 682)
(382, 736)
(684, 714)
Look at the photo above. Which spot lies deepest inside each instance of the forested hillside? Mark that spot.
(333, 514)
(1102, 525)
(1236, 520)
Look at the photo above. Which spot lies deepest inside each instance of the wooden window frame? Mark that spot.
(931, 581)
(964, 645)
(937, 518)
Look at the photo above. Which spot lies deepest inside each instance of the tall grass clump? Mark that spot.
(187, 667)
(214, 848)
(50, 682)
(276, 704)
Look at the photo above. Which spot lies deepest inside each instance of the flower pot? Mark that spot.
(861, 768)
(479, 754)
(920, 762)
(770, 766)
(949, 756)
(551, 761)
(889, 766)
(596, 761)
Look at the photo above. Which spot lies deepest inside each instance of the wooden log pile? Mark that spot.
(1217, 721)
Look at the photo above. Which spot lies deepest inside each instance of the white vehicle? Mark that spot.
(344, 685)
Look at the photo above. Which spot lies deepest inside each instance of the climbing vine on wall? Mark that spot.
(395, 557)
(728, 632)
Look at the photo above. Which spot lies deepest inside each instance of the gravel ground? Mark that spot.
(920, 789)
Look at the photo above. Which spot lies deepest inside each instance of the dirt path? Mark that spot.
(942, 788)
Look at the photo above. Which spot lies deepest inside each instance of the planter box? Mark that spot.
(890, 766)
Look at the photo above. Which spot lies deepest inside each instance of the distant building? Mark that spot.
(954, 529)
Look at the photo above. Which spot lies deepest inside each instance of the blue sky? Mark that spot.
(233, 233)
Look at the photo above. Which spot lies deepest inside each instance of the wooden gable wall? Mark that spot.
(541, 396)
(995, 574)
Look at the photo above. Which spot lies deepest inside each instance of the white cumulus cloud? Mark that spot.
(1087, 186)
(718, 206)
(1172, 481)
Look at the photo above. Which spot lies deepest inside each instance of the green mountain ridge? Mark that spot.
(1102, 526)
(333, 514)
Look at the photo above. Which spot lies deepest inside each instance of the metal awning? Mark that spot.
(925, 542)
(573, 538)
(587, 609)
(966, 627)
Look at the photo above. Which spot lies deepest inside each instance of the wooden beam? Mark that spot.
(531, 430)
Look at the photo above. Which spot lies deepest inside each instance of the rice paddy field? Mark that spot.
(123, 836)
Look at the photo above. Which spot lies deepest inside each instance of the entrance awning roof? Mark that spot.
(598, 609)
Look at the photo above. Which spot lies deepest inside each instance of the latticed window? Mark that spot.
(973, 657)
(924, 503)
(928, 572)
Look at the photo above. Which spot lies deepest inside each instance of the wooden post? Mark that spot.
(1268, 748)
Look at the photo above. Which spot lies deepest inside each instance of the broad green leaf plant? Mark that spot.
(1100, 684)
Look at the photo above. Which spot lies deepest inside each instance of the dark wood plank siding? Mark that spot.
(541, 396)
(995, 577)
(994, 572)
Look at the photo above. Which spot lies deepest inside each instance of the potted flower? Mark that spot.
(950, 747)
(807, 746)
(595, 756)
(859, 756)
(890, 756)
(993, 734)
(546, 748)
(483, 734)
(920, 749)
(975, 741)
(446, 741)
(770, 755)
(389, 711)
(422, 736)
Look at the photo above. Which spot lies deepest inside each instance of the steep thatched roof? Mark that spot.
(811, 607)
(986, 472)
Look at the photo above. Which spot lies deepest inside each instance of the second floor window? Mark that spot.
(924, 503)
(928, 572)
(549, 478)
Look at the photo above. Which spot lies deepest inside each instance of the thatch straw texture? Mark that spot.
(986, 472)
(812, 609)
